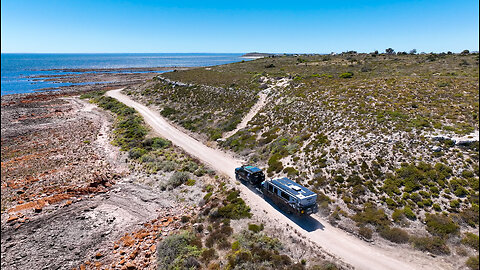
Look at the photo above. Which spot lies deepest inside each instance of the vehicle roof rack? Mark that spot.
(252, 169)
(293, 188)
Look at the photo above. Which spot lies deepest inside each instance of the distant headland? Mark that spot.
(256, 55)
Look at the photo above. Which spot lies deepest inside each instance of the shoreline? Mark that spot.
(91, 79)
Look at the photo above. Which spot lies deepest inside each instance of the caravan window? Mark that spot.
(285, 195)
(270, 188)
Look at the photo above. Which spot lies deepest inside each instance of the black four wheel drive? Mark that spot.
(250, 174)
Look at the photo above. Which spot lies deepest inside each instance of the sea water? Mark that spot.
(17, 69)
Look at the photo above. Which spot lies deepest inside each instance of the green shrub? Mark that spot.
(434, 245)
(470, 215)
(136, 152)
(129, 129)
(440, 225)
(411, 177)
(409, 213)
(235, 245)
(200, 172)
(207, 196)
(190, 182)
(427, 202)
(365, 232)
(176, 250)
(208, 254)
(390, 203)
(92, 95)
(371, 215)
(262, 251)
(290, 171)
(248, 239)
(168, 165)
(238, 258)
(220, 235)
(467, 174)
(395, 235)
(167, 111)
(437, 207)
(215, 134)
(346, 199)
(415, 197)
(346, 75)
(397, 215)
(177, 179)
(190, 166)
(339, 179)
(274, 165)
(147, 158)
(472, 263)
(236, 207)
(324, 266)
(155, 143)
(454, 203)
(255, 228)
(471, 240)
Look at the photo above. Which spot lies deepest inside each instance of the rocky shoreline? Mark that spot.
(67, 194)
(91, 80)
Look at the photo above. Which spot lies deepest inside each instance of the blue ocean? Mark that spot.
(18, 68)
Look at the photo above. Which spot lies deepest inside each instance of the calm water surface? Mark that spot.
(17, 68)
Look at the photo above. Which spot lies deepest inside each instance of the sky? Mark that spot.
(106, 26)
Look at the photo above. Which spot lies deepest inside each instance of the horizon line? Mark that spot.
(113, 52)
(359, 52)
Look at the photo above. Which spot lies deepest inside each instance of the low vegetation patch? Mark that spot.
(365, 232)
(471, 240)
(434, 245)
(130, 130)
(371, 215)
(235, 207)
(255, 228)
(395, 235)
(472, 262)
(440, 225)
(179, 251)
(177, 179)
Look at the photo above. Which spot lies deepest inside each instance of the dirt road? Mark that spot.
(348, 248)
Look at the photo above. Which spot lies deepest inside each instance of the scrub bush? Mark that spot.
(434, 245)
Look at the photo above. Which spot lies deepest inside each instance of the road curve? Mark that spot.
(348, 248)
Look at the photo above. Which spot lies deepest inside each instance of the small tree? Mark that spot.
(390, 51)
(413, 51)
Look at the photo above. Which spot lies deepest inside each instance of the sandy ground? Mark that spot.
(348, 248)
